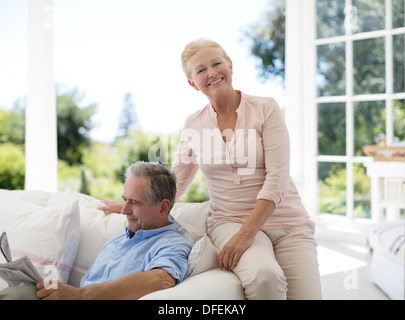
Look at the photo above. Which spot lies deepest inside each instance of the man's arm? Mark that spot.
(130, 287)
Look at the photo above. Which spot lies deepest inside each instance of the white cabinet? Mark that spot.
(387, 189)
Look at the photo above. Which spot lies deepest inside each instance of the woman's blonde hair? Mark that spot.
(191, 48)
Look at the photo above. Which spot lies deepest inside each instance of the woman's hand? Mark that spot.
(230, 254)
(111, 206)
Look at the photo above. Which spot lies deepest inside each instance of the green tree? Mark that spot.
(12, 166)
(74, 125)
(267, 41)
(128, 117)
(135, 147)
(12, 123)
(84, 188)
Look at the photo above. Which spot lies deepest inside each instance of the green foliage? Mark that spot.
(332, 128)
(100, 162)
(369, 122)
(69, 177)
(133, 148)
(12, 124)
(267, 41)
(197, 192)
(362, 189)
(332, 190)
(12, 166)
(74, 124)
(84, 187)
(399, 119)
(128, 117)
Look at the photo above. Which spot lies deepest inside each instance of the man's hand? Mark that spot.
(57, 291)
(111, 206)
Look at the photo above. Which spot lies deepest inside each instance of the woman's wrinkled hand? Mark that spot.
(230, 254)
(111, 206)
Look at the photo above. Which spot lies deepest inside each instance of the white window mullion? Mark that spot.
(311, 117)
(389, 76)
(312, 121)
(349, 117)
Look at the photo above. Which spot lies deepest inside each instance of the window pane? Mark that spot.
(370, 15)
(332, 187)
(398, 13)
(331, 129)
(330, 76)
(362, 206)
(399, 63)
(399, 120)
(369, 66)
(330, 18)
(369, 124)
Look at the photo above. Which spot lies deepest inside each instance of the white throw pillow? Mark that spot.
(203, 257)
(194, 214)
(95, 229)
(48, 236)
(191, 219)
(187, 231)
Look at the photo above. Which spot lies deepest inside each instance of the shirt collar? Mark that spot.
(144, 234)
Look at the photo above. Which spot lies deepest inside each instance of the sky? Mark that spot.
(106, 48)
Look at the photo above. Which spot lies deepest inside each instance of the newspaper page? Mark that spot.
(5, 248)
(15, 272)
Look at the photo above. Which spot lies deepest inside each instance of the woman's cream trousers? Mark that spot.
(280, 263)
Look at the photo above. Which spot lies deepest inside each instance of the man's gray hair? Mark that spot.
(162, 183)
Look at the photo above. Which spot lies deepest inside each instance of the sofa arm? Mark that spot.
(215, 284)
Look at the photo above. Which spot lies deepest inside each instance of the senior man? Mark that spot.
(151, 255)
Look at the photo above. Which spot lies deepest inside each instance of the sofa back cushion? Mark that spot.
(49, 236)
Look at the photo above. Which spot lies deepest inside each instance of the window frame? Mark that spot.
(350, 98)
(302, 100)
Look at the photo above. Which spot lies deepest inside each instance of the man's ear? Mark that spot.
(191, 83)
(164, 206)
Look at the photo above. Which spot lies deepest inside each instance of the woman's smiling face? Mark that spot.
(211, 73)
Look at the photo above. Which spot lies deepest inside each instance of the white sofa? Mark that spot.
(387, 247)
(63, 231)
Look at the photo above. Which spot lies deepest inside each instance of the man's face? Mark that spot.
(140, 213)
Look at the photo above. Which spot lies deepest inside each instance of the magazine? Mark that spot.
(18, 271)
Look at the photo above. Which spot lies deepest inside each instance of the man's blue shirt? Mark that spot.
(145, 250)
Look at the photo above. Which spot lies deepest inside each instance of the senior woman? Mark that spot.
(241, 144)
(256, 217)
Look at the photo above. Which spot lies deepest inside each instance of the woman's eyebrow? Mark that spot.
(198, 67)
